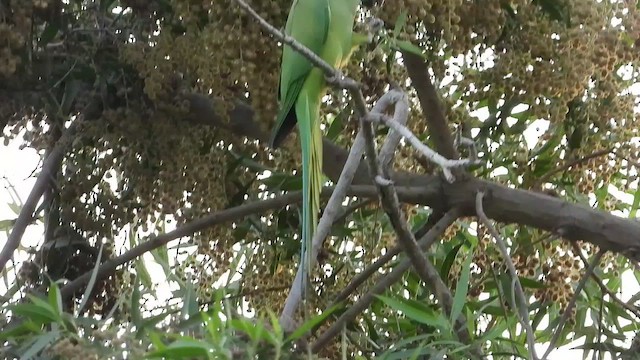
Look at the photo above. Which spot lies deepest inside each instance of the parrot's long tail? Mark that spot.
(308, 112)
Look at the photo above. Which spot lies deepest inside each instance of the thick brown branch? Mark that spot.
(506, 205)
(431, 106)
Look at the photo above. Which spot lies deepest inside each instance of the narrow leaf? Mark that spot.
(462, 287)
(92, 281)
(312, 323)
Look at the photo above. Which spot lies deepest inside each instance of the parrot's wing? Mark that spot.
(308, 23)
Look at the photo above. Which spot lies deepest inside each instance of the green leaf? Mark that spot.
(48, 34)
(55, 299)
(635, 205)
(277, 334)
(35, 313)
(183, 348)
(14, 207)
(92, 281)
(156, 340)
(312, 323)
(556, 138)
(190, 305)
(530, 283)
(161, 256)
(27, 327)
(462, 287)
(448, 262)
(136, 317)
(141, 269)
(153, 320)
(38, 344)
(497, 330)
(416, 311)
(6, 225)
(401, 21)
(255, 330)
(406, 46)
(335, 128)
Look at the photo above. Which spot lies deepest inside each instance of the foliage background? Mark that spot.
(146, 155)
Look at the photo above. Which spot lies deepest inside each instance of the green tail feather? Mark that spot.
(307, 110)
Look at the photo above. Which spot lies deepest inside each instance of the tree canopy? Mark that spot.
(153, 118)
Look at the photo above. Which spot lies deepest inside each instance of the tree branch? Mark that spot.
(507, 205)
(447, 165)
(383, 284)
(43, 183)
(400, 116)
(332, 210)
(444, 221)
(391, 205)
(430, 104)
(605, 290)
(232, 214)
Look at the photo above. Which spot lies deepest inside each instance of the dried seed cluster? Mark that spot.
(138, 162)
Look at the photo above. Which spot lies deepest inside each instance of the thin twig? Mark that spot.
(391, 205)
(444, 163)
(523, 308)
(330, 213)
(631, 308)
(383, 284)
(541, 180)
(424, 243)
(400, 115)
(572, 303)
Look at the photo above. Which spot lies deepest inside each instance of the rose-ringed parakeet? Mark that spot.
(326, 28)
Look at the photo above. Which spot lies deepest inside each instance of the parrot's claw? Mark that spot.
(374, 26)
(335, 78)
(383, 182)
(469, 144)
(339, 80)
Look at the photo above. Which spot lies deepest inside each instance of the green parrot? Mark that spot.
(326, 28)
